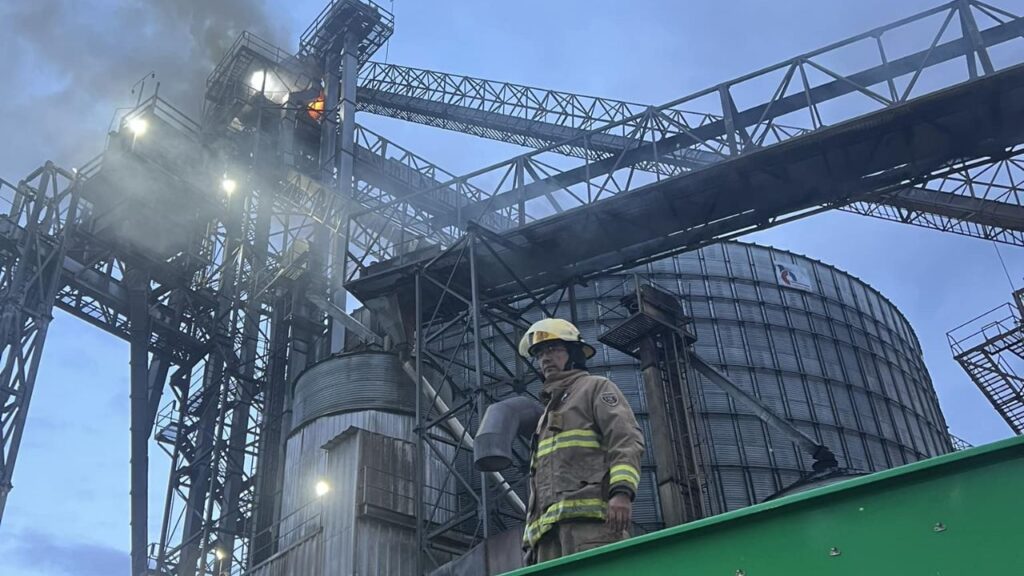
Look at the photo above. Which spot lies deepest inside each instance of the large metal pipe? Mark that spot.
(480, 400)
(824, 459)
(345, 160)
(669, 485)
(138, 298)
(459, 431)
(323, 239)
(499, 427)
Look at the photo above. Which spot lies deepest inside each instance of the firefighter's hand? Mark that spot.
(620, 512)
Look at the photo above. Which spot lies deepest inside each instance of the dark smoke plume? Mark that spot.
(68, 64)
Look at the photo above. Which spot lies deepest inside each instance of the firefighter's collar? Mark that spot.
(560, 381)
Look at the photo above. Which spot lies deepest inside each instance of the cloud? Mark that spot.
(52, 554)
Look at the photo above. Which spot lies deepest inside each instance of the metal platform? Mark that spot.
(652, 310)
(371, 23)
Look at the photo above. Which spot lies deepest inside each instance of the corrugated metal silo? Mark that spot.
(352, 427)
(820, 347)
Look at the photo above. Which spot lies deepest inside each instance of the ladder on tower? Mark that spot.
(674, 368)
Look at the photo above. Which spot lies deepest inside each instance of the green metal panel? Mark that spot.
(961, 513)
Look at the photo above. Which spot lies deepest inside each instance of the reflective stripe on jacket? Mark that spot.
(587, 446)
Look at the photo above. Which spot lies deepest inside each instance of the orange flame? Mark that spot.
(316, 108)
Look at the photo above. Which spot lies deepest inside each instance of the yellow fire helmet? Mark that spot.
(552, 329)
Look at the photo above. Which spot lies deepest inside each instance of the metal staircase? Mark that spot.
(988, 350)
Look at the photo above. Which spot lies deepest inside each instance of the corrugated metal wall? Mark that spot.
(385, 530)
(827, 351)
(366, 456)
(352, 382)
(365, 524)
(833, 356)
(339, 505)
(306, 460)
(303, 557)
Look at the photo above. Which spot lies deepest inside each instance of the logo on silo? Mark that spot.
(793, 276)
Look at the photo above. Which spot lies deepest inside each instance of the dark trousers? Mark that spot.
(572, 536)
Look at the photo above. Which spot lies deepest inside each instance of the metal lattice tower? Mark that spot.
(225, 298)
(40, 213)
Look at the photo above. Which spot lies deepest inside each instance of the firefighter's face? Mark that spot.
(552, 358)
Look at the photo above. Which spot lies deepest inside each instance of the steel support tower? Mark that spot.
(41, 212)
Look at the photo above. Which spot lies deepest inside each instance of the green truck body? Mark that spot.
(961, 513)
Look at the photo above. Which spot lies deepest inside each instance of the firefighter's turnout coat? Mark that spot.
(587, 447)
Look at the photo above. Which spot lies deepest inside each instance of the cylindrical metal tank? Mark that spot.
(817, 345)
(352, 430)
(321, 411)
(360, 382)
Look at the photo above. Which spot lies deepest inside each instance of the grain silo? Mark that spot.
(818, 346)
(348, 490)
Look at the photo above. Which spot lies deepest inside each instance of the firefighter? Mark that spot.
(585, 464)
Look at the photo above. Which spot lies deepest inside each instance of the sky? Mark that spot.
(68, 65)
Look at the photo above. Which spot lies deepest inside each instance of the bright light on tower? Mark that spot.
(322, 488)
(228, 185)
(220, 554)
(138, 126)
(270, 85)
(258, 80)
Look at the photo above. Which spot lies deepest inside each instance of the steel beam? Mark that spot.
(138, 296)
